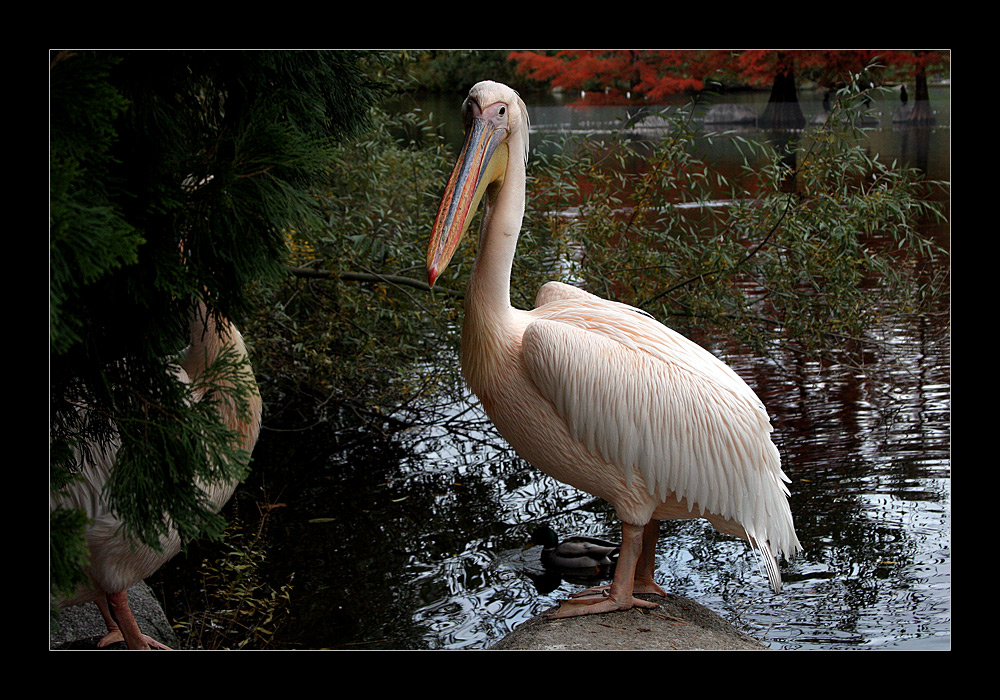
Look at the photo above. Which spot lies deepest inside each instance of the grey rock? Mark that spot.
(678, 624)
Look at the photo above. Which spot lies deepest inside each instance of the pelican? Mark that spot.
(595, 393)
(115, 562)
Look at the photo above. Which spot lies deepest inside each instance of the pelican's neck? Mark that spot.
(208, 342)
(490, 332)
(489, 284)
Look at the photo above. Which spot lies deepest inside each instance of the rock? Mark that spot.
(82, 627)
(678, 624)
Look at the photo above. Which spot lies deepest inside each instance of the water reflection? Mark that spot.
(553, 116)
(868, 452)
(413, 539)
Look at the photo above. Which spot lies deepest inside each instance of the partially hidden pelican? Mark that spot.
(596, 393)
(116, 563)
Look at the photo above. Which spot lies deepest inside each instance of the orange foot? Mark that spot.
(644, 585)
(640, 585)
(592, 591)
(116, 636)
(596, 603)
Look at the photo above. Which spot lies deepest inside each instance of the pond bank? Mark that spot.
(678, 624)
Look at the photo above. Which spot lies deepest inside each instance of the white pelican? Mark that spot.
(595, 393)
(115, 563)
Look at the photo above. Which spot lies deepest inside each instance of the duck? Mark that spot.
(577, 553)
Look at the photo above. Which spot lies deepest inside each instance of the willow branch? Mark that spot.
(313, 273)
(702, 275)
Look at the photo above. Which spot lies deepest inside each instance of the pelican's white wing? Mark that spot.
(654, 403)
(640, 331)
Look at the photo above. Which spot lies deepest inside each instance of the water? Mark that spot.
(411, 538)
(422, 549)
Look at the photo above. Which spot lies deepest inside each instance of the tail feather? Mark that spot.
(768, 563)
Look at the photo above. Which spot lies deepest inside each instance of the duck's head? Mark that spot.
(543, 535)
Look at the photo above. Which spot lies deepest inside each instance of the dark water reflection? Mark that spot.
(868, 454)
(410, 537)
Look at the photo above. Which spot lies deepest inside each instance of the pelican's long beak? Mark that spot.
(481, 162)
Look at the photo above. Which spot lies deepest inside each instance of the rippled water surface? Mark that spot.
(414, 541)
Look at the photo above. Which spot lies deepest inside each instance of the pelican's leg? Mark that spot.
(123, 624)
(644, 582)
(619, 595)
(114, 633)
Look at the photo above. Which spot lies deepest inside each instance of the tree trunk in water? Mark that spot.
(783, 111)
(921, 114)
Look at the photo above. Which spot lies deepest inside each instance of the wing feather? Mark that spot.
(651, 401)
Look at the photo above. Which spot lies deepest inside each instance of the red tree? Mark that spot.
(625, 76)
(622, 76)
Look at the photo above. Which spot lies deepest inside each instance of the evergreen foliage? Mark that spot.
(174, 176)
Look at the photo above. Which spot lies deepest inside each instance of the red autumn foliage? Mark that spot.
(623, 76)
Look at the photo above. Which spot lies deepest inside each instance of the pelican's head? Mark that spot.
(492, 113)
